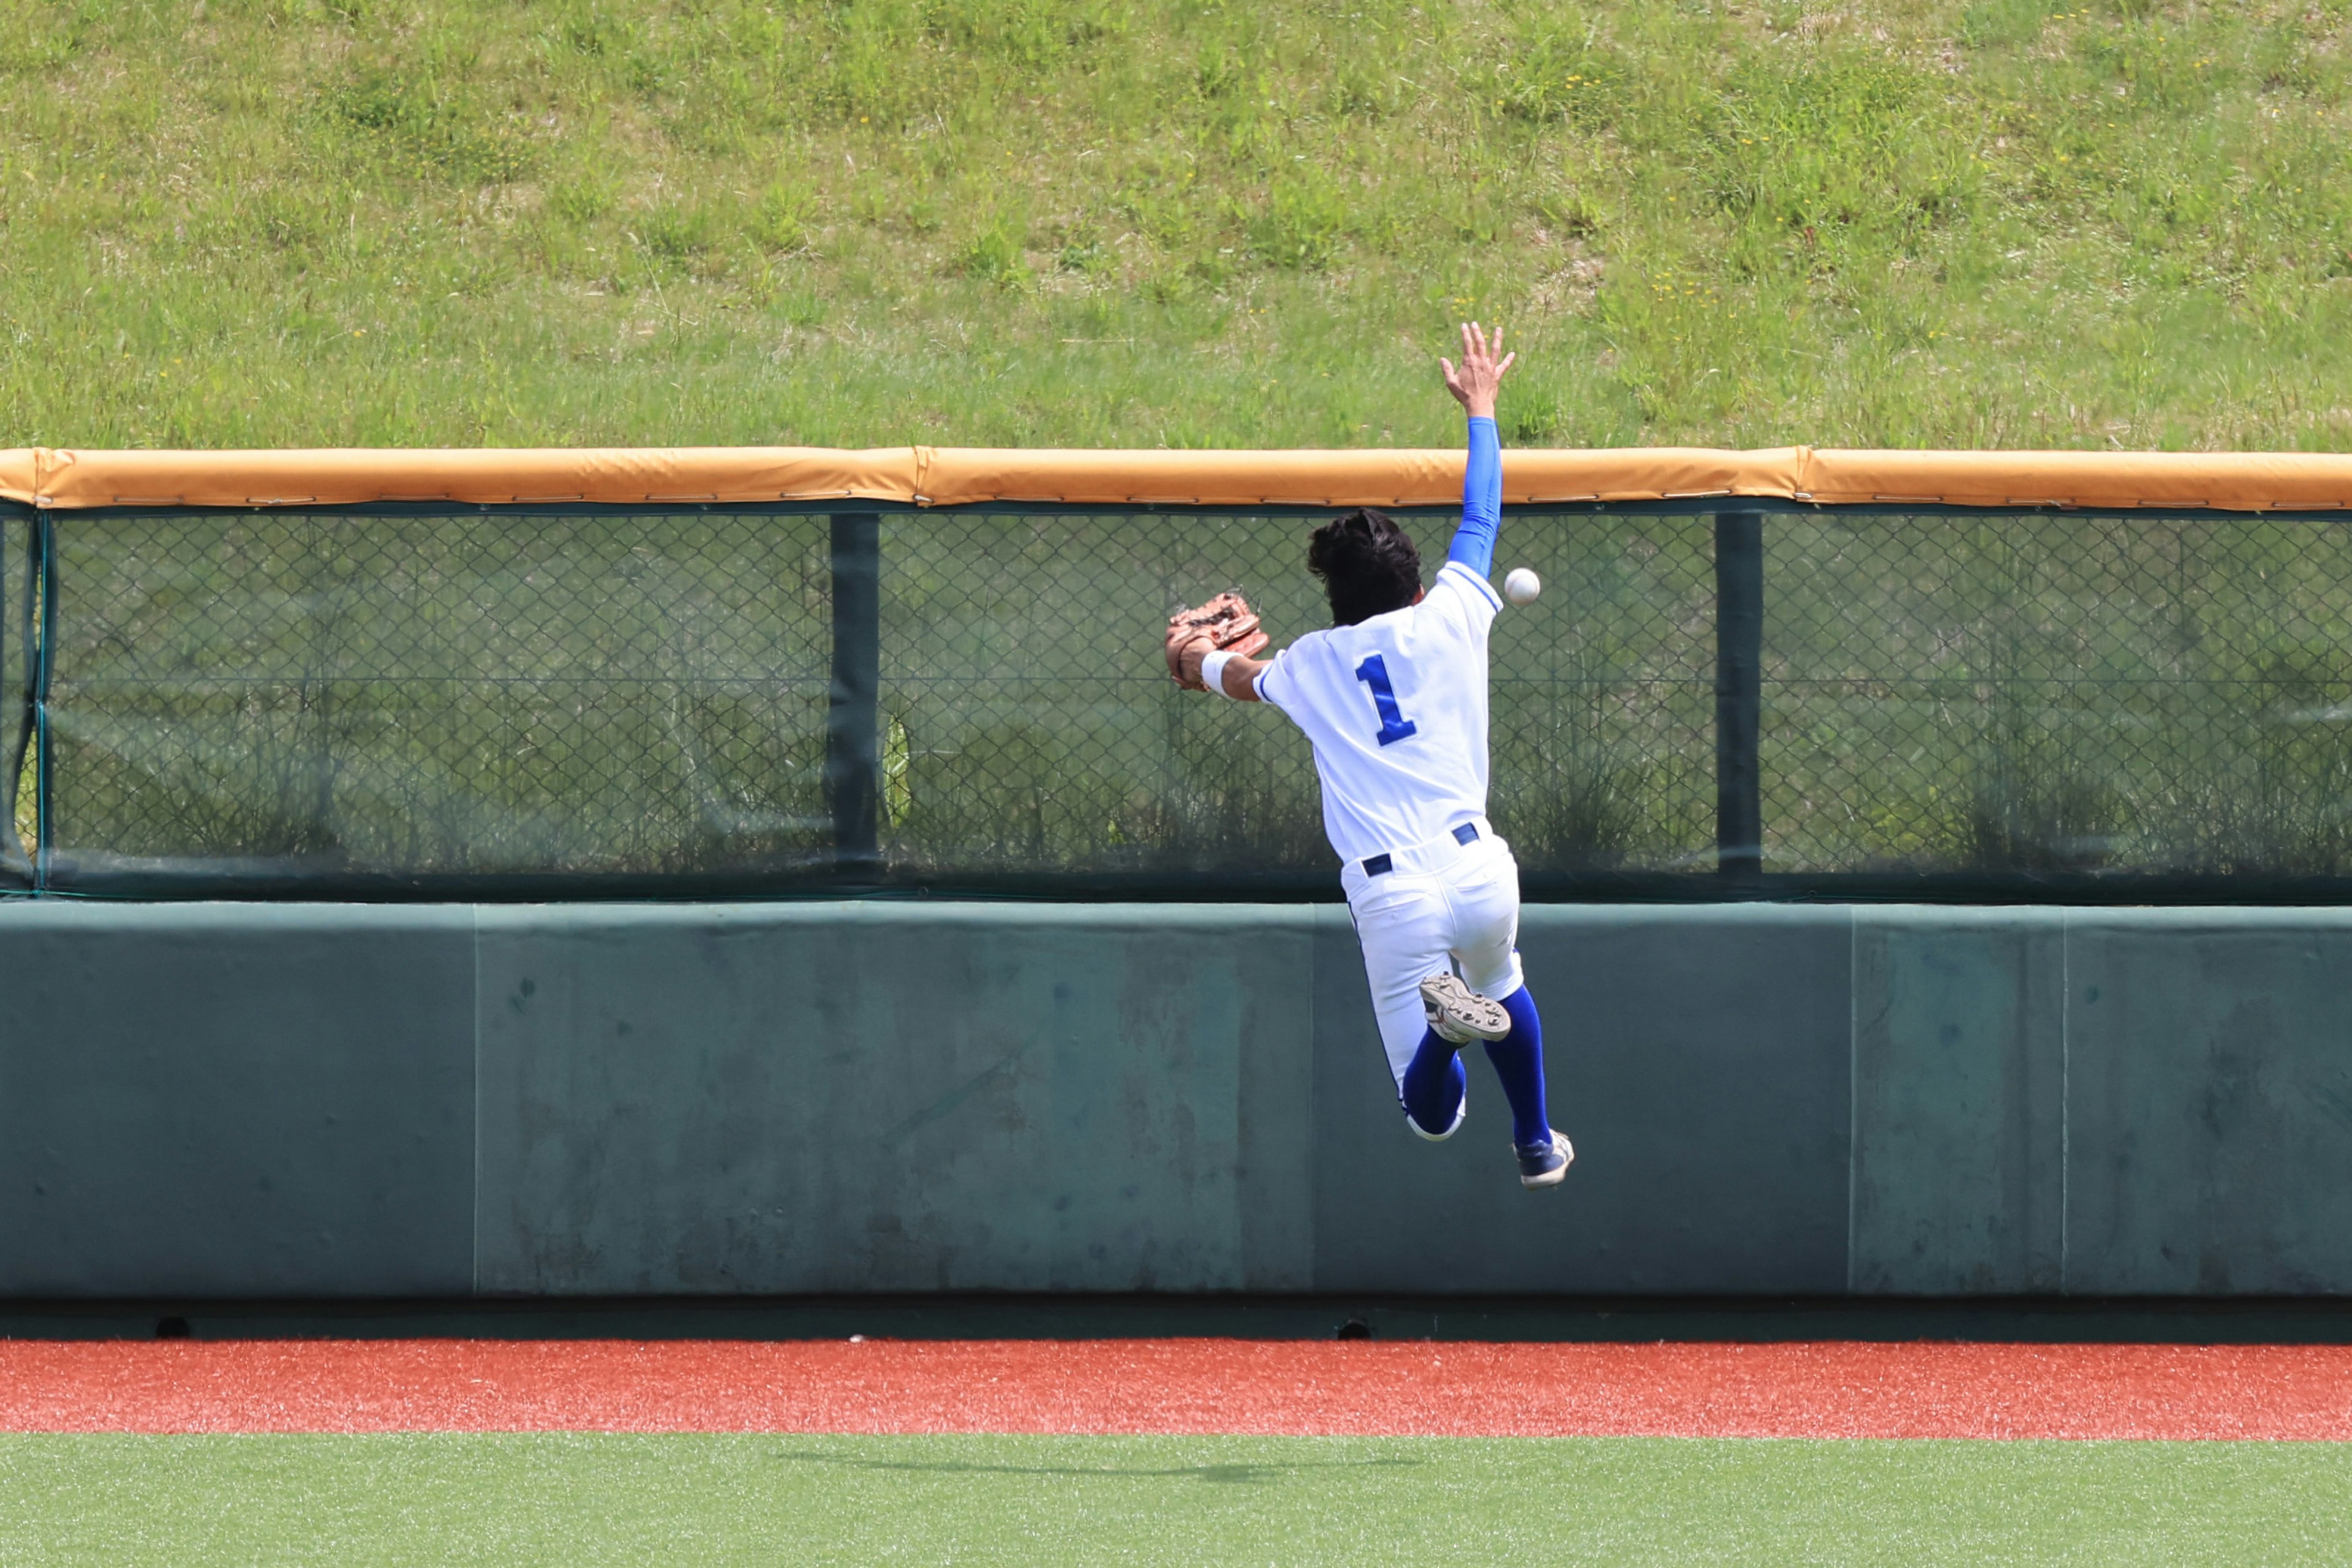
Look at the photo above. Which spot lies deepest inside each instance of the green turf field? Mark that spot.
(990, 1499)
(1968, 223)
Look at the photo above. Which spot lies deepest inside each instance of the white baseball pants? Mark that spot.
(1444, 904)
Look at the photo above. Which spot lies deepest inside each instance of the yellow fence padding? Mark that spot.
(1378, 477)
(948, 476)
(2237, 481)
(68, 478)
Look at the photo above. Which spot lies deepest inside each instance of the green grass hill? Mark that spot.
(1173, 221)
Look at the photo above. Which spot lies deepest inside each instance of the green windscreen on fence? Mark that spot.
(322, 698)
(696, 700)
(1029, 724)
(2054, 694)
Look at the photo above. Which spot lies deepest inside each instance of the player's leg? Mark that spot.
(1434, 1088)
(1518, 1062)
(1455, 1015)
(1486, 898)
(1400, 923)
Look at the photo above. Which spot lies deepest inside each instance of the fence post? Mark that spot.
(1739, 692)
(41, 640)
(23, 724)
(44, 571)
(853, 759)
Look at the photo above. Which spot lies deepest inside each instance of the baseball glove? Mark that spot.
(1225, 623)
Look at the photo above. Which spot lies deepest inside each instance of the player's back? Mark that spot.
(1396, 709)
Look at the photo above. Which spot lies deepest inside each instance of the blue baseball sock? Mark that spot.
(1435, 1084)
(1518, 1062)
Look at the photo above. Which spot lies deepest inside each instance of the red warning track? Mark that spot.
(1286, 1387)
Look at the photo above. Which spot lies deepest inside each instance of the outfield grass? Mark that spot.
(1181, 222)
(565, 1498)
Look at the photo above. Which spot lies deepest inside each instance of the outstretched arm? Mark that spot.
(1475, 385)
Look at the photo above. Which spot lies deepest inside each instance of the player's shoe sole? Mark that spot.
(1544, 1165)
(1459, 1014)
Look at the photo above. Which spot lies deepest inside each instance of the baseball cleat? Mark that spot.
(1543, 1164)
(1459, 1014)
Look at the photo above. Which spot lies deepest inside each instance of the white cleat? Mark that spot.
(1460, 1014)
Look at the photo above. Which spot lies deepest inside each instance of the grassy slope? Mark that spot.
(1020, 1501)
(275, 222)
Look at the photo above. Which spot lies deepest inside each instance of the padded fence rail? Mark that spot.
(620, 688)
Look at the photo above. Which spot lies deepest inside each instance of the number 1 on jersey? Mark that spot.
(1374, 673)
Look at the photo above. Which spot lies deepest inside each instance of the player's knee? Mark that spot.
(1461, 1110)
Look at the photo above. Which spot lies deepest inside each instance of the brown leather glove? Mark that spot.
(1225, 623)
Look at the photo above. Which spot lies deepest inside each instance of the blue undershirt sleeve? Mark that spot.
(1482, 500)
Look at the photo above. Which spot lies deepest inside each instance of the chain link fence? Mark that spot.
(2058, 698)
(700, 700)
(1029, 725)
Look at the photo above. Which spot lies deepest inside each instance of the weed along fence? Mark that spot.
(518, 674)
(370, 706)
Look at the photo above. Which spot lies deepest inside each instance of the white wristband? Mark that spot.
(1213, 671)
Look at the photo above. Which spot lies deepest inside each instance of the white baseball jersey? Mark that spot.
(1396, 709)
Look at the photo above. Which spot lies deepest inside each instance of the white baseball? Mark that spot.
(1522, 586)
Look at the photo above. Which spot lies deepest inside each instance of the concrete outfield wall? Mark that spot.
(240, 1100)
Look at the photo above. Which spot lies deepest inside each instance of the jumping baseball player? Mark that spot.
(1393, 698)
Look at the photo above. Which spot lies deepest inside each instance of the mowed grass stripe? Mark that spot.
(450, 1498)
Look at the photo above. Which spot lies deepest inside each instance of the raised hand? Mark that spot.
(1481, 372)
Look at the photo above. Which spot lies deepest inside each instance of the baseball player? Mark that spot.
(1393, 698)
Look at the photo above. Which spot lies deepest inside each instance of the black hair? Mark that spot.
(1369, 565)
